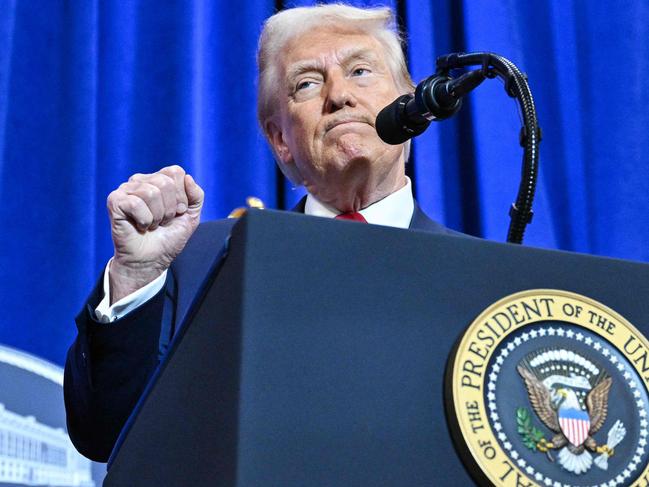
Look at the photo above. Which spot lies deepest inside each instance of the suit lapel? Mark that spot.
(421, 221)
(299, 208)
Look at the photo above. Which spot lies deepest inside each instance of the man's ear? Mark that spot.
(276, 139)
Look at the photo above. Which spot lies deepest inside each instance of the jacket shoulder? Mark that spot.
(422, 222)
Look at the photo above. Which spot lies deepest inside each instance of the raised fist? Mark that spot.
(152, 217)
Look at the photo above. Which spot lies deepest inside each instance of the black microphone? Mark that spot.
(436, 98)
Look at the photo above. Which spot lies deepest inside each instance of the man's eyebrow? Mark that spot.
(300, 67)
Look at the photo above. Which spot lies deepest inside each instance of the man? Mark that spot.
(324, 73)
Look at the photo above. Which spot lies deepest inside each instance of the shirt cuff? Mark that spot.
(105, 313)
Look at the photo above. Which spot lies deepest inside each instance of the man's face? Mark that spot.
(334, 84)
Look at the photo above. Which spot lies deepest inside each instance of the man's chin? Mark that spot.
(349, 165)
(350, 147)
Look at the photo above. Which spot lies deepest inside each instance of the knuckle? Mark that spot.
(154, 180)
(145, 220)
(176, 170)
(165, 182)
(151, 192)
(110, 203)
(112, 196)
(136, 203)
(115, 197)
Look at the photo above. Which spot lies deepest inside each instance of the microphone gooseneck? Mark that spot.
(516, 86)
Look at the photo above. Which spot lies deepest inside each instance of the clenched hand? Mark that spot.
(152, 217)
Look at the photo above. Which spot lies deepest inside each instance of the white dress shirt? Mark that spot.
(395, 210)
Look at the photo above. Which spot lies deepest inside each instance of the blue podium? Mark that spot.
(315, 355)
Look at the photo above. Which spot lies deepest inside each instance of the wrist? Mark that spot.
(125, 279)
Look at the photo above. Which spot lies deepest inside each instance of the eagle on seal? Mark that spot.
(560, 411)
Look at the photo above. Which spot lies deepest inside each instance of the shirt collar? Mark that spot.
(395, 210)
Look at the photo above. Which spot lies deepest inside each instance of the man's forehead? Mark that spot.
(325, 45)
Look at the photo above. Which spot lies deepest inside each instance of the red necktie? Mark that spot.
(351, 215)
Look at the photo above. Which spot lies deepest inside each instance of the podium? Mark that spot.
(315, 354)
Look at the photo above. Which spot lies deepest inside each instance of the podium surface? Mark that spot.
(317, 350)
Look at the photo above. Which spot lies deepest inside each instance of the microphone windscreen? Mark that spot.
(390, 124)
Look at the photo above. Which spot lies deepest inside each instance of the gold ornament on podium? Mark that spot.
(251, 202)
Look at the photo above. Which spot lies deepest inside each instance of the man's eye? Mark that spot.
(304, 84)
(360, 71)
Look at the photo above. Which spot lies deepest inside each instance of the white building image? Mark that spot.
(33, 453)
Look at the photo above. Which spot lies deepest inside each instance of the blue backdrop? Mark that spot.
(92, 91)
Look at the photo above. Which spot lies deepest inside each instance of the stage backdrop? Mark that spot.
(92, 91)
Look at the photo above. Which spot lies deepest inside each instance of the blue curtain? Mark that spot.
(93, 91)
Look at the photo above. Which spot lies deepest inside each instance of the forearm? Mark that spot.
(107, 368)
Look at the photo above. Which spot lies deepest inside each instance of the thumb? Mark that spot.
(195, 194)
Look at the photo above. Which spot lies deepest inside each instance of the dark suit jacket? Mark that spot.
(108, 365)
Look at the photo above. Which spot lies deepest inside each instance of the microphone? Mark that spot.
(436, 98)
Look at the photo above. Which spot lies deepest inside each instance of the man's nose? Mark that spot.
(339, 93)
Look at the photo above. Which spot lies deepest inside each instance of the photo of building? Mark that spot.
(34, 445)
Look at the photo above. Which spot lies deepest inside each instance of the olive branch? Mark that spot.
(532, 436)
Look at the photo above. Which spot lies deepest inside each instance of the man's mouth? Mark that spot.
(344, 121)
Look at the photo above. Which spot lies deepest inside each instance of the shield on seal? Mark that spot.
(575, 424)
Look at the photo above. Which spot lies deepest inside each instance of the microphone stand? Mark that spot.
(516, 87)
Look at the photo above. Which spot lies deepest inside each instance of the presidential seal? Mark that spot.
(549, 388)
